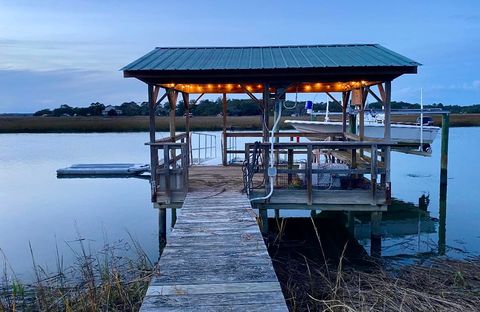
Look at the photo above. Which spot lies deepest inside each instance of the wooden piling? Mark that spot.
(376, 234)
(443, 185)
(224, 129)
(153, 149)
(162, 229)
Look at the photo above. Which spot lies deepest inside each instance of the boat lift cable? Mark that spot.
(272, 171)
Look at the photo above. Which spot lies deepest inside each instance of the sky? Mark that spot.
(70, 52)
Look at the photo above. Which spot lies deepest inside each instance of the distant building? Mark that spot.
(111, 111)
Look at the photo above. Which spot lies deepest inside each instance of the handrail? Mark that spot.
(329, 144)
(372, 167)
(283, 134)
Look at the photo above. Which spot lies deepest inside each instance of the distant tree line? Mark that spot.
(235, 107)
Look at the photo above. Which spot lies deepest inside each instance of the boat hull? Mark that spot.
(400, 133)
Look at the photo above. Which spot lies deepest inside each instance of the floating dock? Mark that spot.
(103, 169)
(215, 260)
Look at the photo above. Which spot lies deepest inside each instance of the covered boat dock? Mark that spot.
(275, 175)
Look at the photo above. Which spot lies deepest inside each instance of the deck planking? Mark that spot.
(215, 260)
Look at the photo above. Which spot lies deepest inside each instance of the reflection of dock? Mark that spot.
(215, 260)
(397, 228)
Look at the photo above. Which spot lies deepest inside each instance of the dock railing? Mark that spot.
(233, 148)
(203, 146)
(169, 168)
(301, 176)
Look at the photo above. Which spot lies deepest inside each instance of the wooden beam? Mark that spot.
(156, 89)
(252, 96)
(224, 129)
(387, 134)
(265, 116)
(172, 100)
(186, 103)
(197, 99)
(375, 96)
(161, 99)
(345, 98)
(153, 149)
(333, 99)
(382, 92)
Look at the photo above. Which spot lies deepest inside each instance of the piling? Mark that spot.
(443, 185)
(162, 229)
(376, 235)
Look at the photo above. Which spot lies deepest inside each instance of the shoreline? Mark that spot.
(31, 124)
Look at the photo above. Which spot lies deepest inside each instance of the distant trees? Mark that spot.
(235, 107)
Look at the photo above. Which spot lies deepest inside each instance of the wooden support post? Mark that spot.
(266, 161)
(362, 117)
(263, 214)
(443, 185)
(153, 149)
(352, 122)
(277, 213)
(388, 131)
(351, 223)
(308, 175)
(174, 217)
(345, 98)
(376, 234)
(162, 229)
(265, 116)
(373, 172)
(290, 163)
(186, 103)
(224, 129)
(172, 100)
(166, 171)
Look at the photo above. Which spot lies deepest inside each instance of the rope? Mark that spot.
(294, 105)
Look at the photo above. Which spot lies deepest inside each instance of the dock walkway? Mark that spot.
(215, 260)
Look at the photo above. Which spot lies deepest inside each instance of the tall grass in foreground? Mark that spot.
(310, 282)
(104, 281)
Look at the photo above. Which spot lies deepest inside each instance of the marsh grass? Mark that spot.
(314, 278)
(29, 124)
(112, 279)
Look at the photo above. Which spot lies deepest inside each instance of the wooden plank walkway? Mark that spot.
(215, 260)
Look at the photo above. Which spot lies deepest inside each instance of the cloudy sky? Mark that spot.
(54, 52)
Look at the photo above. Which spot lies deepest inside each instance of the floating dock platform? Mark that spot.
(103, 169)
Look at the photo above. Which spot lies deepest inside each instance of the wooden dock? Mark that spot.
(215, 260)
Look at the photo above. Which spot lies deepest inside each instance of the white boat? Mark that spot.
(374, 128)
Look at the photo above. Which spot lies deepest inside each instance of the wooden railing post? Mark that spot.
(166, 170)
(308, 175)
(266, 161)
(373, 171)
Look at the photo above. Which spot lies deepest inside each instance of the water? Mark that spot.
(38, 208)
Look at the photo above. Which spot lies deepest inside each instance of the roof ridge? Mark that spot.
(272, 46)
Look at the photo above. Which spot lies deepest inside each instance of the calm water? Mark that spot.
(37, 207)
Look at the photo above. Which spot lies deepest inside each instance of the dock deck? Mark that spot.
(215, 260)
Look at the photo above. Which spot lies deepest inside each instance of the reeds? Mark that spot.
(113, 279)
(346, 284)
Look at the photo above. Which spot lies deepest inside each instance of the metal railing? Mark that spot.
(202, 144)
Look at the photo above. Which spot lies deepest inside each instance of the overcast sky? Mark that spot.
(56, 52)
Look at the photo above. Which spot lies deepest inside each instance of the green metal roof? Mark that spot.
(269, 57)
